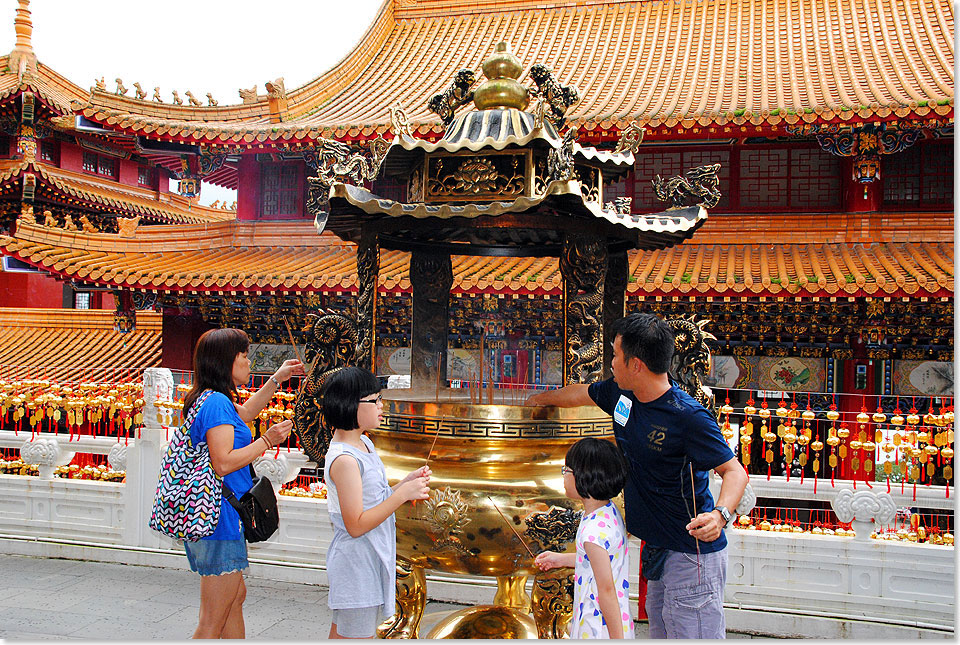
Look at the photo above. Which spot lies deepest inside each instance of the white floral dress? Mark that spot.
(604, 526)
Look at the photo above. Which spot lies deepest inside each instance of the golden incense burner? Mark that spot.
(485, 457)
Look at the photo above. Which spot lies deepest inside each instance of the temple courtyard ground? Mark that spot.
(43, 598)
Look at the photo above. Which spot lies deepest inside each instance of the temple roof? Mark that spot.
(808, 260)
(682, 65)
(74, 344)
(65, 186)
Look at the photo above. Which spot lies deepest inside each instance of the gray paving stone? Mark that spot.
(43, 599)
(293, 629)
(147, 610)
(44, 621)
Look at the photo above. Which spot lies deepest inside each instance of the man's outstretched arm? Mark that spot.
(566, 397)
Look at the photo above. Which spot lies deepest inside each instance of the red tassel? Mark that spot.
(888, 484)
(914, 491)
(832, 485)
(948, 489)
(814, 484)
(768, 472)
(865, 480)
(854, 482)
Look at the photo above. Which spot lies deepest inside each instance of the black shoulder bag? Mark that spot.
(257, 508)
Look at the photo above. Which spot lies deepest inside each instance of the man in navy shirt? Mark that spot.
(671, 443)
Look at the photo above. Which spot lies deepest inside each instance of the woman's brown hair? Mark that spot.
(213, 360)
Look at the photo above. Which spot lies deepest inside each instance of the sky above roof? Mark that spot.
(216, 46)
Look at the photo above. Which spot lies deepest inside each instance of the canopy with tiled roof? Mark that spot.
(245, 256)
(74, 344)
(767, 63)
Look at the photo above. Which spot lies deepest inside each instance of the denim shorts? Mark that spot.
(360, 622)
(216, 557)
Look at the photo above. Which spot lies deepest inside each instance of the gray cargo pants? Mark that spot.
(678, 606)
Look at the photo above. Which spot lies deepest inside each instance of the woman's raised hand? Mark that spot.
(290, 367)
(278, 432)
(548, 560)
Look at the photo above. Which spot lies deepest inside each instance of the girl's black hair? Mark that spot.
(213, 359)
(342, 393)
(599, 470)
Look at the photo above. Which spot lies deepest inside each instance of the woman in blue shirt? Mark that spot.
(220, 364)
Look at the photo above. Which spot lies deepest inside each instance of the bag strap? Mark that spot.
(194, 411)
(229, 493)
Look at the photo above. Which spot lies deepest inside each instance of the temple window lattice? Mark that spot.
(919, 177)
(281, 191)
(100, 165)
(50, 152)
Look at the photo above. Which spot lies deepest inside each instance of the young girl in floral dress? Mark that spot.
(593, 473)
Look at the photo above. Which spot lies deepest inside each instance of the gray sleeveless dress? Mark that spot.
(361, 571)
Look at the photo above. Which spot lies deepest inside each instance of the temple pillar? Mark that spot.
(583, 265)
(431, 276)
(614, 302)
(368, 272)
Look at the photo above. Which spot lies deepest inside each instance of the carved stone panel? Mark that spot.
(431, 276)
(583, 265)
(368, 270)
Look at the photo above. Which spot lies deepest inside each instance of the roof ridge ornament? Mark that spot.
(558, 98)
(22, 59)
(445, 103)
(400, 123)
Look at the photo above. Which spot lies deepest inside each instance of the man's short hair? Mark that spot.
(647, 337)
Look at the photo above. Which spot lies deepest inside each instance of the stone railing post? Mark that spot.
(279, 470)
(864, 509)
(47, 453)
(143, 463)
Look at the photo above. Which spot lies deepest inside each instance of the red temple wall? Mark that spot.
(30, 290)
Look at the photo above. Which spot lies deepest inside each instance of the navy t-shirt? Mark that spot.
(659, 440)
(219, 410)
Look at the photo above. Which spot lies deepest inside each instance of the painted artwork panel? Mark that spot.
(930, 378)
(266, 358)
(792, 374)
(393, 360)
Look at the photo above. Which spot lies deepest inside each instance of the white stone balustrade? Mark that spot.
(816, 585)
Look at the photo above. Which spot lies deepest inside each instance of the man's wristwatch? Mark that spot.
(727, 517)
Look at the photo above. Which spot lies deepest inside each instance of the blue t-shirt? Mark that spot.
(219, 410)
(659, 440)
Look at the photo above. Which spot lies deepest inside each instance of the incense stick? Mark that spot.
(693, 494)
(293, 342)
(511, 528)
(430, 452)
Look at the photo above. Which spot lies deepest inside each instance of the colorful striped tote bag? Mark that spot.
(187, 504)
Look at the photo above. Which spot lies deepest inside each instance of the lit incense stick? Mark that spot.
(440, 423)
(693, 494)
(293, 342)
(511, 528)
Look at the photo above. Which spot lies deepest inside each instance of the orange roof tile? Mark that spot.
(58, 184)
(677, 64)
(49, 86)
(245, 256)
(72, 344)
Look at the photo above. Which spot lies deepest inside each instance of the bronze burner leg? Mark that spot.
(411, 600)
(553, 602)
(511, 592)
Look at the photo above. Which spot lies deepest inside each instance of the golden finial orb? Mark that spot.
(501, 89)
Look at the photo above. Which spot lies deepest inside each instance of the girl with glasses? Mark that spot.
(593, 473)
(362, 558)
